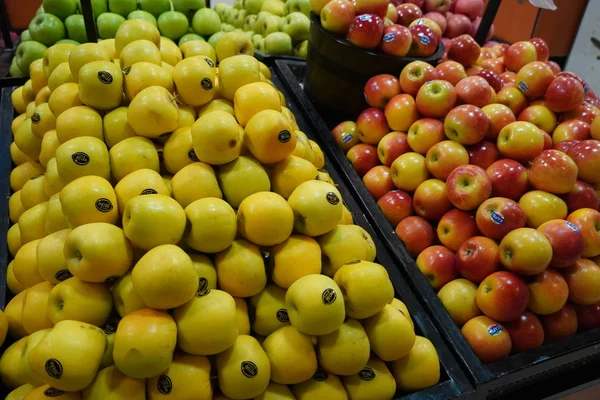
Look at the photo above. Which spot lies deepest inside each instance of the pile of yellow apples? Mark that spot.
(174, 236)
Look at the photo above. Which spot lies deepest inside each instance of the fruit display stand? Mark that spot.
(515, 373)
(6, 114)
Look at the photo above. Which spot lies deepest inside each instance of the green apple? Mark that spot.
(14, 70)
(47, 29)
(261, 47)
(188, 6)
(189, 37)
(206, 22)
(60, 8)
(238, 4)
(250, 34)
(259, 24)
(98, 7)
(155, 7)
(278, 43)
(68, 41)
(301, 49)
(25, 35)
(253, 6)
(231, 17)
(275, 7)
(297, 26)
(223, 9)
(107, 24)
(271, 24)
(214, 39)
(249, 22)
(240, 19)
(76, 28)
(302, 6)
(40, 10)
(173, 24)
(122, 7)
(256, 39)
(145, 15)
(227, 28)
(28, 52)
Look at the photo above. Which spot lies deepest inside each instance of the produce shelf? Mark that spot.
(494, 380)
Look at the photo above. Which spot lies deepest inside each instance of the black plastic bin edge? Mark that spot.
(6, 117)
(269, 59)
(458, 386)
(492, 379)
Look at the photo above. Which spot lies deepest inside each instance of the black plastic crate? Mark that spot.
(269, 59)
(496, 379)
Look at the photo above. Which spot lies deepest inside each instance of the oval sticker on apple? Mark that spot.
(497, 218)
(249, 369)
(367, 374)
(164, 384)
(329, 296)
(494, 330)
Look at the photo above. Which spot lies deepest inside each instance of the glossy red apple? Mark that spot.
(414, 75)
(519, 54)
(521, 141)
(363, 157)
(583, 278)
(443, 157)
(585, 112)
(475, 90)
(378, 181)
(471, 8)
(489, 339)
(548, 292)
(396, 41)
(587, 157)
(346, 135)
(424, 41)
(429, 23)
(583, 195)
(564, 94)
(425, 133)
(464, 49)
(572, 129)
(395, 206)
(483, 154)
(380, 89)
(438, 18)
(526, 332)
(416, 233)
(541, 48)
(466, 124)
(436, 98)
(337, 15)
(509, 179)
(566, 241)
(377, 7)
(455, 227)
(430, 199)
(407, 13)
(468, 186)
(560, 325)
(499, 116)
(450, 71)
(496, 66)
(588, 317)
(392, 146)
(492, 78)
(553, 171)
(438, 264)
(507, 80)
(457, 24)
(498, 216)
(566, 145)
(502, 296)
(555, 67)
(534, 78)
(477, 257)
(440, 6)
(366, 31)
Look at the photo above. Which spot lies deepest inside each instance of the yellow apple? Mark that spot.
(188, 377)
(269, 137)
(241, 313)
(187, 116)
(132, 154)
(179, 149)
(240, 269)
(36, 74)
(270, 311)
(55, 55)
(216, 104)
(253, 98)
(235, 72)
(26, 141)
(110, 383)
(17, 100)
(43, 95)
(22, 173)
(265, 219)
(89, 199)
(132, 30)
(141, 182)
(11, 377)
(276, 391)
(212, 225)
(27, 93)
(116, 127)
(290, 173)
(64, 97)
(345, 243)
(54, 183)
(16, 155)
(374, 381)
(420, 369)
(241, 178)
(153, 112)
(35, 303)
(86, 53)
(77, 122)
(50, 143)
(60, 75)
(68, 357)
(33, 192)
(138, 51)
(322, 385)
(125, 298)
(101, 85)
(15, 207)
(20, 393)
(193, 182)
(42, 120)
(233, 44)
(540, 207)
(13, 239)
(345, 351)
(317, 207)
(74, 299)
(198, 48)
(13, 313)
(25, 265)
(109, 44)
(82, 156)
(55, 219)
(12, 283)
(291, 355)
(194, 79)
(169, 52)
(296, 257)
(142, 75)
(151, 356)
(390, 333)
(24, 369)
(51, 262)
(216, 138)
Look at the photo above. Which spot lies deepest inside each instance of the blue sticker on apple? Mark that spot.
(388, 37)
(425, 40)
(347, 138)
(497, 218)
(523, 86)
(572, 226)
(365, 17)
(494, 330)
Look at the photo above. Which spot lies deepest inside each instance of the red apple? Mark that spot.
(500, 49)
(539, 115)
(466, 124)
(436, 98)
(566, 145)
(564, 94)
(431, 24)
(555, 67)
(509, 179)
(440, 6)
(526, 332)
(588, 316)
(416, 233)
(425, 133)
(502, 296)
(464, 49)
(513, 98)
(392, 146)
(483, 154)
(395, 206)
(560, 325)
(346, 135)
(475, 90)
(595, 129)
(377, 7)
(450, 71)
(585, 112)
(477, 257)
(468, 187)
(572, 129)
(471, 8)
(455, 227)
(418, 3)
(548, 292)
(443, 157)
(457, 24)
(401, 112)
(489, 339)
(566, 241)
(521, 141)
(492, 78)
(583, 195)
(430, 200)
(541, 49)
(587, 157)
(366, 31)
(583, 279)
(363, 157)
(372, 126)
(438, 18)
(414, 75)
(499, 116)
(525, 251)
(534, 78)
(553, 171)
(380, 89)
(507, 80)
(519, 54)
(337, 15)
(498, 216)
(396, 40)
(497, 67)
(424, 41)
(378, 181)
(473, 70)
(438, 264)
(407, 13)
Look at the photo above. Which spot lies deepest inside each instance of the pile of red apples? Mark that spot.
(492, 181)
